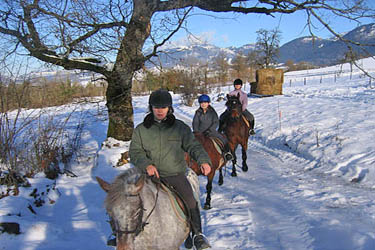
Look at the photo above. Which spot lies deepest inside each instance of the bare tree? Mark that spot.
(240, 66)
(267, 46)
(221, 67)
(82, 34)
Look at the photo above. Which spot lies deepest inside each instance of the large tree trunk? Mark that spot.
(129, 59)
(120, 107)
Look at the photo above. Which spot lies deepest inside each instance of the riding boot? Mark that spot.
(199, 240)
(250, 118)
(188, 242)
(227, 154)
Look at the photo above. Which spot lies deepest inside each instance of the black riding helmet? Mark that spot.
(238, 81)
(160, 98)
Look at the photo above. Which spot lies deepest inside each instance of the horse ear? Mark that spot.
(228, 96)
(238, 95)
(103, 184)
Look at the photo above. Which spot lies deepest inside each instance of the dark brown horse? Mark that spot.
(237, 130)
(217, 161)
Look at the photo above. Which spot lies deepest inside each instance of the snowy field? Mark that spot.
(310, 183)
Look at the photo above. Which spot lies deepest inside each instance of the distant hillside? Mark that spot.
(325, 51)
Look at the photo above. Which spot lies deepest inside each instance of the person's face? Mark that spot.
(160, 112)
(237, 86)
(204, 105)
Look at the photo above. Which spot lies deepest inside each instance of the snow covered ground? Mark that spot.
(310, 183)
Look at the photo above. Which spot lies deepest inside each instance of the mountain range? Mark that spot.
(313, 50)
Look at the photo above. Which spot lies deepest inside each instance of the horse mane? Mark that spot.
(199, 136)
(125, 184)
(234, 109)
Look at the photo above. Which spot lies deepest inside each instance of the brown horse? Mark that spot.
(237, 131)
(217, 161)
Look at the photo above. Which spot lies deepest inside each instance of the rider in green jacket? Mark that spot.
(157, 148)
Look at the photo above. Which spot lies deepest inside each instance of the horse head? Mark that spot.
(125, 206)
(234, 105)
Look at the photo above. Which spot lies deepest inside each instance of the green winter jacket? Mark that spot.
(164, 146)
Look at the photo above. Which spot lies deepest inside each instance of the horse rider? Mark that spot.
(157, 148)
(206, 121)
(243, 99)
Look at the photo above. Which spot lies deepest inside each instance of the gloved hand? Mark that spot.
(152, 171)
(205, 168)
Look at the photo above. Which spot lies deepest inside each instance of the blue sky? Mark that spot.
(227, 31)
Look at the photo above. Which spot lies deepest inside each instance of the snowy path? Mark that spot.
(285, 201)
(278, 205)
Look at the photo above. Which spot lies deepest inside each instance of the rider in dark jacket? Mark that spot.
(206, 121)
(157, 148)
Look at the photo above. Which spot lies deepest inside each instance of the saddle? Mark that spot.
(177, 201)
(219, 145)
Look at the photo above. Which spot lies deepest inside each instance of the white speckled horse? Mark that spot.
(143, 213)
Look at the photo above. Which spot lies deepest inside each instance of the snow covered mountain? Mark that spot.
(202, 53)
(316, 50)
(329, 51)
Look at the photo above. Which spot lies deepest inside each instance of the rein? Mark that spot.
(234, 107)
(141, 224)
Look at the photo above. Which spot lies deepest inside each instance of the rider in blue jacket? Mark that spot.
(206, 121)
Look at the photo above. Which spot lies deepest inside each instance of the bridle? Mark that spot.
(234, 104)
(139, 215)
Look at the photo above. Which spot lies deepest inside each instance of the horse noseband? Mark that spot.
(140, 224)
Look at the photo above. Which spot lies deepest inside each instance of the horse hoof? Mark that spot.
(220, 183)
(206, 207)
(245, 168)
(233, 174)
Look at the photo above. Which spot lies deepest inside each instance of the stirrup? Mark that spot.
(228, 156)
(200, 242)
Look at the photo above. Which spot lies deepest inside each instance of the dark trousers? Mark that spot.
(220, 136)
(181, 184)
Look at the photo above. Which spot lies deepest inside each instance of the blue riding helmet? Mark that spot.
(204, 98)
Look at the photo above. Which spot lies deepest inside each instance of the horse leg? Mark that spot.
(207, 204)
(244, 157)
(234, 172)
(221, 178)
(234, 161)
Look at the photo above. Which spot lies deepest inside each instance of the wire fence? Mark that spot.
(316, 76)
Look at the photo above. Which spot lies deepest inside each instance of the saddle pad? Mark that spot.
(246, 121)
(176, 206)
(193, 179)
(217, 146)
